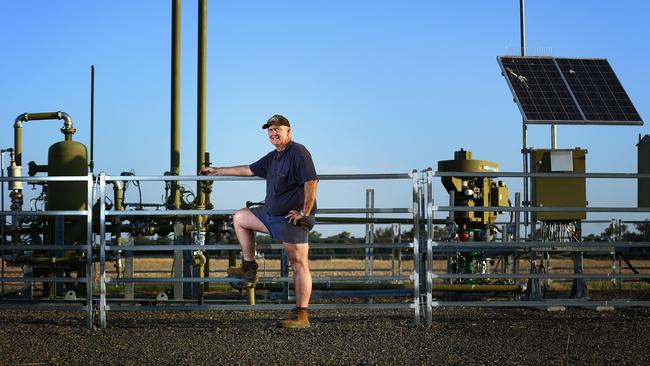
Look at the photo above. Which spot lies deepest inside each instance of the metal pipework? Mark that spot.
(68, 128)
(175, 158)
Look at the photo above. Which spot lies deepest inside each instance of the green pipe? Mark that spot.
(176, 101)
(18, 145)
(67, 129)
(118, 199)
(41, 116)
(200, 105)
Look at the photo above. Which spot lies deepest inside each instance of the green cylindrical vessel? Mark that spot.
(68, 158)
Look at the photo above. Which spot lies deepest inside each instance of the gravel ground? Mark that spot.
(457, 336)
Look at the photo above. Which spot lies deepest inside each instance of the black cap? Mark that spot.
(278, 120)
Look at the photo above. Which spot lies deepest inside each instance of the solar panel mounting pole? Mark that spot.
(524, 150)
(554, 136)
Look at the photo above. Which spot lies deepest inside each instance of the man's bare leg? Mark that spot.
(246, 224)
(299, 257)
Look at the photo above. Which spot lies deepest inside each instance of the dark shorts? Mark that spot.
(280, 228)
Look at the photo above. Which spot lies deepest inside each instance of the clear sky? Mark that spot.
(369, 86)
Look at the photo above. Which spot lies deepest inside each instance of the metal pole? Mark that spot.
(399, 252)
(2, 220)
(176, 101)
(429, 216)
(515, 256)
(553, 137)
(102, 251)
(92, 119)
(392, 252)
(522, 27)
(416, 247)
(90, 273)
(370, 237)
(524, 149)
(200, 106)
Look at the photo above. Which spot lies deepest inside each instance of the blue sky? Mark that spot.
(369, 86)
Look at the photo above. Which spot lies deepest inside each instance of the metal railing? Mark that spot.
(423, 250)
(525, 246)
(106, 304)
(25, 300)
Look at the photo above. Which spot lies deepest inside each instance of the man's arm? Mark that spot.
(238, 171)
(310, 196)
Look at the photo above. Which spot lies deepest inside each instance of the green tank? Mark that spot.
(68, 158)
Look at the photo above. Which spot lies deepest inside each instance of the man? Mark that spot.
(287, 214)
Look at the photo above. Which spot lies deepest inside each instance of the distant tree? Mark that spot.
(314, 236)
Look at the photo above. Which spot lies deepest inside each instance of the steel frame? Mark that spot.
(521, 246)
(88, 280)
(425, 249)
(119, 305)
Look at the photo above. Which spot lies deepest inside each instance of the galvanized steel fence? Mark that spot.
(421, 212)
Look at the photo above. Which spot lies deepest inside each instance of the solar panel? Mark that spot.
(552, 90)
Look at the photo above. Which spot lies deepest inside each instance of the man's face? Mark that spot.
(279, 135)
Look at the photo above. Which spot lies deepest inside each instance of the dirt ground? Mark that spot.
(457, 336)
(350, 337)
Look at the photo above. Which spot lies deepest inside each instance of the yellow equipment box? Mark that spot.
(558, 192)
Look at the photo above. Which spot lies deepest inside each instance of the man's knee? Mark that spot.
(239, 217)
(245, 219)
(298, 256)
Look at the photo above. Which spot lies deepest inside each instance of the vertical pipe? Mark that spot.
(92, 119)
(200, 106)
(175, 100)
(18, 145)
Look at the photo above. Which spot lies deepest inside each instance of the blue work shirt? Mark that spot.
(285, 172)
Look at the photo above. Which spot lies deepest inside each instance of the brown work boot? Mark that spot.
(298, 319)
(247, 271)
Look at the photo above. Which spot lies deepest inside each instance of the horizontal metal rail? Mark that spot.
(541, 175)
(39, 247)
(544, 304)
(43, 306)
(160, 306)
(540, 209)
(360, 279)
(43, 279)
(137, 248)
(171, 178)
(44, 213)
(593, 276)
(535, 246)
(71, 178)
(177, 213)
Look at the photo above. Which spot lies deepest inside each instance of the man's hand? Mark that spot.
(294, 217)
(298, 219)
(208, 171)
